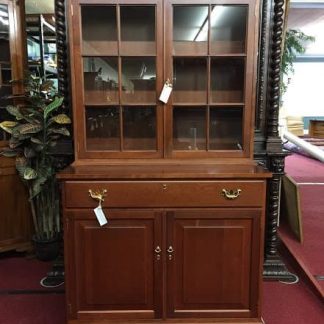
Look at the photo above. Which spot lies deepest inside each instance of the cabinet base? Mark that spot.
(175, 321)
(274, 270)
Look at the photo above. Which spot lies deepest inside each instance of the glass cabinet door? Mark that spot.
(6, 76)
(209, 63)
(121, 63)
(125, 51)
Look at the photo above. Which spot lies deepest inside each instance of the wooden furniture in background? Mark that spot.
(316, 128)
(15, 219)
(185, 201)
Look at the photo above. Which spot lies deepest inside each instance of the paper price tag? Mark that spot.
(100, 216)
(166, 92)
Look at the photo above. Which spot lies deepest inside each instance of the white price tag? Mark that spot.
(100, 216)
(166, 92)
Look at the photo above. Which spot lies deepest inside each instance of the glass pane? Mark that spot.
(99, 30)
(138, 83)
(139, 126)
(190, 29)
(5, 70)
(228, 29)
(4, 92)
(100, 80)
(190, 80)
(4, 34)
(225, 128)
(103, 130)
(137, 30)
(227, 80)
(189, 128)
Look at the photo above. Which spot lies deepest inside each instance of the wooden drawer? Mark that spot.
(165, 193)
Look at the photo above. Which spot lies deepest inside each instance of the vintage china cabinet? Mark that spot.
(184, 200)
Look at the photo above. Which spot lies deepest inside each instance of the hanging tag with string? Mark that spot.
(166, 91)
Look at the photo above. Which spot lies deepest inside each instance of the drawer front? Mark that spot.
(166, 193)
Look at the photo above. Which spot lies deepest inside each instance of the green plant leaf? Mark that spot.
(30, 174)
(30, 128)
(4, 126)
(61, 119)
(63, 131)
(9, 152)
(14, 111)
(21, 164)
(20, 137)
(9, 123)
(36, 140)
(56, 103)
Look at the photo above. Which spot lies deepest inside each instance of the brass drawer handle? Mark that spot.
(98, 195)
(231, 194)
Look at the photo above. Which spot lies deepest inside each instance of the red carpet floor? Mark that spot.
(304, 169)
(16, 269)
(311, 252)
(283, 304)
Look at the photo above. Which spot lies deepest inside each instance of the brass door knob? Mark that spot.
(170, 251)
(158, 251)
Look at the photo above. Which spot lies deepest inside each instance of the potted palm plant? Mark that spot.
(294, 44)
(37, 126)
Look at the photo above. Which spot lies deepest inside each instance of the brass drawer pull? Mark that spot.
(98, 195)
(231, 194)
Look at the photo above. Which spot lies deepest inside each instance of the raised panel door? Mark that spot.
(211, 266)
(115, 270)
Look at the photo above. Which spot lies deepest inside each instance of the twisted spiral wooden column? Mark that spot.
(275, 66)
(64, 149)
(274, 146)
(262, 67)
(62, 56)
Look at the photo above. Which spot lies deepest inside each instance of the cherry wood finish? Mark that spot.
(210, 271)
(123, 270)
(120, 274)
(165, 193)
(15, 229)
(175, 248)
(15, 219)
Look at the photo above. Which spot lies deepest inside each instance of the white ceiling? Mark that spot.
(39, 6)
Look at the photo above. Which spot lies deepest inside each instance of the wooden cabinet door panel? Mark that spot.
(210, 271)
(116, 266)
